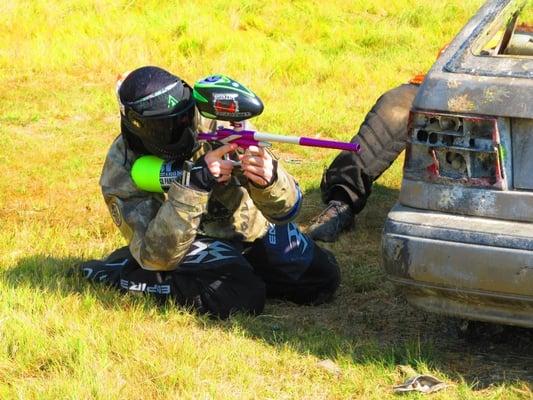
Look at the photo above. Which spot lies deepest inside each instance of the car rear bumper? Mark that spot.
(466, 267)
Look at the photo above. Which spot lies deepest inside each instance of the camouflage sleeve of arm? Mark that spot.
(280, 202)
(159, 231)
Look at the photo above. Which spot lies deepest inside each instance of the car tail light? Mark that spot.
(446, 148)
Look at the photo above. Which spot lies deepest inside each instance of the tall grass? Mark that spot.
(318, 66)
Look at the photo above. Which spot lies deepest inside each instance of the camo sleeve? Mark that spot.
(159, 230)
(280, 202)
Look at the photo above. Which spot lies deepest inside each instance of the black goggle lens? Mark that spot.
(161, 129)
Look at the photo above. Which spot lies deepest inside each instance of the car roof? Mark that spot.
(461, 81)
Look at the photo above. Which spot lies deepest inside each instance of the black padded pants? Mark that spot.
(221, 277)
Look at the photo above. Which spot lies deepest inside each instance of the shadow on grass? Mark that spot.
(367, 323)
(45, 273)
(62, 276)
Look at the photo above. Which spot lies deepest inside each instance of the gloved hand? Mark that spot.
(210, 169)
(153, 174)
(200, 177)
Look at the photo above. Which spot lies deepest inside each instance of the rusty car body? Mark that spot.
(459, 241)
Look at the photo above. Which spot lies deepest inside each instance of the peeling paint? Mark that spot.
(449, 197)
(494, 94)
(462, 265)
(453, 83)
(397, 259)
(528, 66)
(524, 270)
(455, 197)
(461, 103)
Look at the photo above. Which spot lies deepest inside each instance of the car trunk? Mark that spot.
(470, 165)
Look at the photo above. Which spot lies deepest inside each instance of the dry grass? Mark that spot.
(318, 66)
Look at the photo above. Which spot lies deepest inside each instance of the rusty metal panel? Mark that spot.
(457, 149)
(459, 93)
(474, 268)
(506, 145)
(471, 304)
(457, 228)
(522, 153)
(495, 15)
(455, 199)
(470, 266)
(462, 82)
(459, 242)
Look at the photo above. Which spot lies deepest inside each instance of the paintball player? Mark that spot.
(220, 241)
(346, 184)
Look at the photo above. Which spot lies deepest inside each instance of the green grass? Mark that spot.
(318, 67)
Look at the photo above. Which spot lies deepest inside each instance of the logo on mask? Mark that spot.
(172, 102)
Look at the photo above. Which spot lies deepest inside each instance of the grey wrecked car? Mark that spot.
(459, 241)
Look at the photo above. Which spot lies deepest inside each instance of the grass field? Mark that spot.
(318, 67)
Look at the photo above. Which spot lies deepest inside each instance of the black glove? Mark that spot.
(195, 175)
(200, 178)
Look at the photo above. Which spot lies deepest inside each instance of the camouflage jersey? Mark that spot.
(160, 228)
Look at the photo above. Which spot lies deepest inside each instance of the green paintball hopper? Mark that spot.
(220, 97)
(145, 173)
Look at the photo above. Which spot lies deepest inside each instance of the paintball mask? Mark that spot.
(157, 108)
